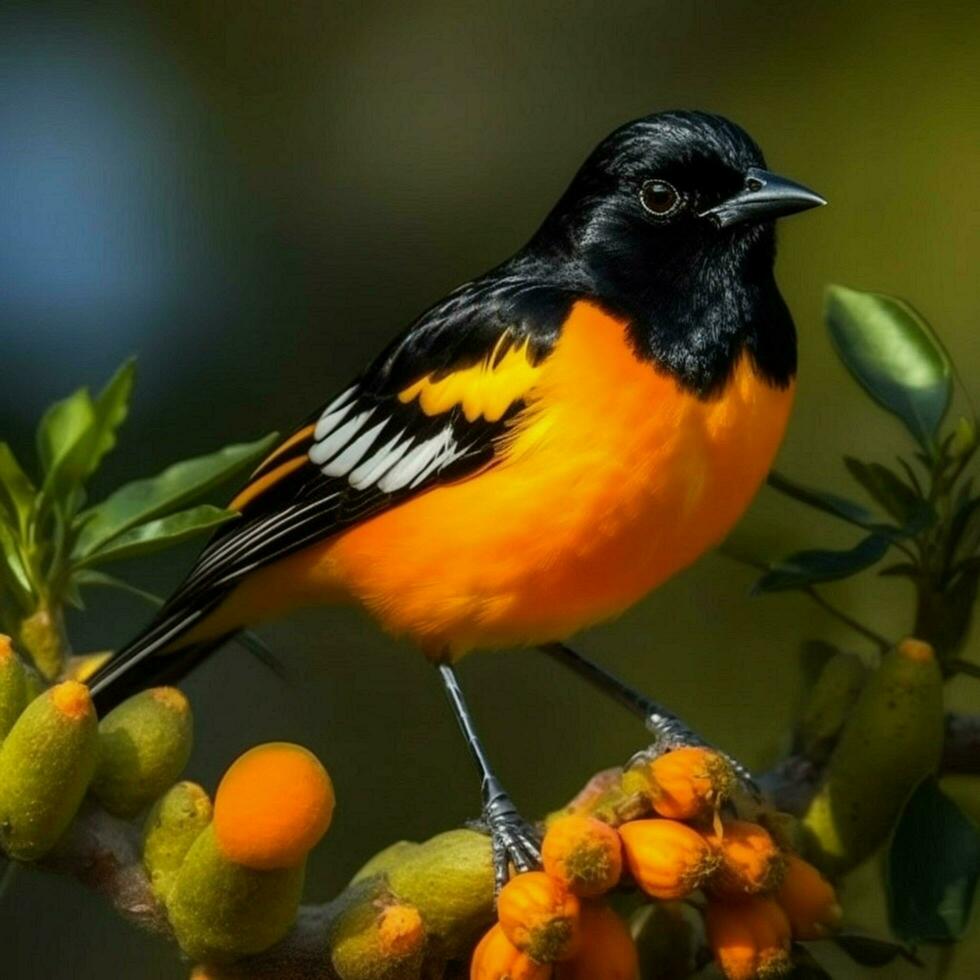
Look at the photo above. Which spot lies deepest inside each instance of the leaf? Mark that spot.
(963, 443)
(111, 409)
(810, 567)
(943, 618)
(964, 531)
(885, 487)
(912, 476)
(78, 434)
(829, 503)
(901, 569)
(141, 501)
(63, 428)
(895, 356)
(917, 517)
(868, 951)
(16, 490)
(11, 564)
(164, 532)
(89, 576)
(933, 866)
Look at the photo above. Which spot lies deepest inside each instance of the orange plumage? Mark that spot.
(614, 479)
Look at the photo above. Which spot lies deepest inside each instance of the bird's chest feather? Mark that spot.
(613, 479)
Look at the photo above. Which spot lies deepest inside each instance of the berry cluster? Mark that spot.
(755, 895)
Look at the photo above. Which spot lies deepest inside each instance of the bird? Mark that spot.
(538, 450)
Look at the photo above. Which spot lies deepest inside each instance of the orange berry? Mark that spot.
(668, 859)
(750, 938)
(808, 899)
(496, 958)
(583, 853)
(606, 951)
(272, 806)
(690, 783)
(540, 916)
(751, 861)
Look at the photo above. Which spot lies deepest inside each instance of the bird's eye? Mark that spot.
(660, 199)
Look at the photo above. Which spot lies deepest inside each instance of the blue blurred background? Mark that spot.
(255, 196)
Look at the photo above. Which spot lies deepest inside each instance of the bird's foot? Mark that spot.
(672, 733)
(516, 843)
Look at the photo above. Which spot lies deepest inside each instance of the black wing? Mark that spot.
(372, 447)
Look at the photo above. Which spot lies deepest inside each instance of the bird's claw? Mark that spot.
(672, 734)
(514, 841)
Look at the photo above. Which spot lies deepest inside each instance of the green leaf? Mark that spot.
(916, 518)
(11, 566)
(964, 440)
(885, 487)
(111, 409)
(83, 577)
(913, 477)
(901, 569)
(16, 490)
(943, 618)
(141, 501)
(164, 532)
(76, 434)
(868, 951)
(810, 567)
(829, 503)
(933, 868)
(894, 354)
(63, 428)
(964, 531)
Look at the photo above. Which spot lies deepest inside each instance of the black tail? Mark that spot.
(146, 662)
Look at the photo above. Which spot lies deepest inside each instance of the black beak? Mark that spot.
(765, 196)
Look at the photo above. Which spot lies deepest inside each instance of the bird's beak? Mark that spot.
(765, 196)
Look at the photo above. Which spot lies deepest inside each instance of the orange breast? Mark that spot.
(614, 480)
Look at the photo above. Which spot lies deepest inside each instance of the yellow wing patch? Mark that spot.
(485, 390)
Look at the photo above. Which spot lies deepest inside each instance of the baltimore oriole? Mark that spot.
(541, 448)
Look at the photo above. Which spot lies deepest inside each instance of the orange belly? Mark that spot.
(614, 480)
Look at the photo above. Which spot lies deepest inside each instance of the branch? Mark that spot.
(103, 853)
(961, 752)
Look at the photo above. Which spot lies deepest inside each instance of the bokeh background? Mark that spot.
(254, 196)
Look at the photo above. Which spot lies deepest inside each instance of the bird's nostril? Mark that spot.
(753, 184)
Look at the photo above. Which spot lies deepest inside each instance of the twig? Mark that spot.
(103, 853)
(877, 639)
(883, 643)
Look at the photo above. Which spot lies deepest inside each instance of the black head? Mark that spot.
(671, 222)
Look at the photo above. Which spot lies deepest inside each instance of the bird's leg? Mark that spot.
(670, 731)
(513, 839)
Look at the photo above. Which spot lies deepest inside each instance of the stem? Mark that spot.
(877, 639)
(881, 642)
(959, 666)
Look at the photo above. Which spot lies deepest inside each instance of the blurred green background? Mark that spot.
(255, 196)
